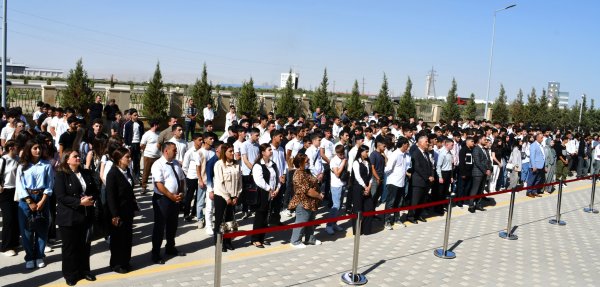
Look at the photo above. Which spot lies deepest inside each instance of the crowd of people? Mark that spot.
(68, 173)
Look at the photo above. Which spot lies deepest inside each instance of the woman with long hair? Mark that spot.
(122, 206)
(265, 174)
(76, 191)
(305, 202)
(361, 188)
(227, 187)
(34, 182)
(515, 164)
(497, 149)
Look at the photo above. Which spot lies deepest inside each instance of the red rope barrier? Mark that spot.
(385, 211)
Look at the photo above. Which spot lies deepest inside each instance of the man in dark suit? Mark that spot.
(482, 168)
(422, 177)
(133, 131)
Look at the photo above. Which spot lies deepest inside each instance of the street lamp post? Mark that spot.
(581, 111)
(4, 56)
(487, 97)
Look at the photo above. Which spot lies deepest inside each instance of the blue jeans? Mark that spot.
(336, 197)
(200, 202)
(189, 130)
(303, 215)
(34, 243)
(525, 171)
(535, 178)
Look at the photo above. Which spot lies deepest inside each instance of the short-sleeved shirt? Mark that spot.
(150, 139)
(7, 132)
(66, 140)
(163, 172)
(335, 162)
(329, 148)
(378, 162)
(251, 150)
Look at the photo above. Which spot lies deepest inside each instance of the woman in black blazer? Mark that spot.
(122, 206)
(75, 191)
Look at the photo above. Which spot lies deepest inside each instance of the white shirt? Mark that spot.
(7, 132)
(396, 168)
(335, 130)
(10, 171)
(209, 114)
(81, 181)
(162, 172)
(597, 152)
(572, 146)
(329, 148)
(314, 160)
(279, 159)
(257, 174)
(150, 139)
(229, 118)
(351, 157)
(191, 161)
(136, 133)
(356, 169)
(36, 115)
(370, 143)
(264, 137)
(251, 151)
(237, 145)
(335, 162)
(181, 148)
(294, 145)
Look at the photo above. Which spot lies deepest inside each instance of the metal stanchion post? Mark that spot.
(591, 209)
(508, 233)
(557, 220)
(444, 252)
(353, 277)
(218, 257)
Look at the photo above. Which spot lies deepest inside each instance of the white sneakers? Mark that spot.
(317, 242)
(209, 231)
(299, 246)
(48, 249)
(9, 253)
(40, 263)
(30, 264)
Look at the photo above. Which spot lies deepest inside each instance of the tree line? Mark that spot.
(540, 110)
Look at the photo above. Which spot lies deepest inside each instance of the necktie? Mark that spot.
(176, 177)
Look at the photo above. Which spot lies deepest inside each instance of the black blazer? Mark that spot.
(481, 161)
(68, 189)
(128, 131)
(421, 169)
(119, 195)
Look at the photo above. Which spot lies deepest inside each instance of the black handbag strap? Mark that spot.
(2, 170)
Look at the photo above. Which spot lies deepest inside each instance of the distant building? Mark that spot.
(284, 77)
(554, 91)
(563, 100)
(17, 69)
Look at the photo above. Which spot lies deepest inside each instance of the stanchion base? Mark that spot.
(505, 235)
(590, 210)
(356, 279)
(440, 253)
(557, 222)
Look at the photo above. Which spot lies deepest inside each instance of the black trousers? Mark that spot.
(289, 188)
(223, 213)
(463, 187)
(442, 191)
(417, 197)
(190, 194)
(392, 200)
(121, 240)
(165, 218)
(477, 184)
(363, 203)
(10, 220)
(136, 155)
(275, 206)
(261, 215)
(247, 181)
(325, 186)
(189, 130)
(52, 209)
(75, 252)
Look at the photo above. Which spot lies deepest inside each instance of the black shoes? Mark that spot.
(413, 221)
(472, 209)
(420, 218)
(174, 252)
(157, 260)
(71, 282)
(228, 246)
(89, 277)
(480, 208)
(118, 269)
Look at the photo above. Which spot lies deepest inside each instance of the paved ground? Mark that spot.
(544, 254)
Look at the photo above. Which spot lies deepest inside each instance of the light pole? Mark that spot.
(581, 111)
(487, 97)
(4, 56)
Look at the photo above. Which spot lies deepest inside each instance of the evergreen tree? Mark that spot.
(248, 101)
(355, 107)
(500, 111)
(406, 106)
(383, 103)
(322, 98)
(517, 109)
(555, 114)
(470, 111)
(543, 117)
(78, 94)
(154, 99)
(450, 110)
(573, 116)
(287, 104)
(201, 92)
(532, 107)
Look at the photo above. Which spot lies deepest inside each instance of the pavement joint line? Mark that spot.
(283, 247)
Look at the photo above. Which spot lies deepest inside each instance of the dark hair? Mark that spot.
(208, 123)
(261, 149)
(360, 150)
(299, 159)
(98, 121)
(175, 126)
(401, 141)
(224, 149)
(118, 154)
(63, 165)
(8, 144)
(339, 149)
(26, 157)
(133, 111)
(166, 145)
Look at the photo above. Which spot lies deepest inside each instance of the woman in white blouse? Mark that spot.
(227, 186)
(265, 175)
(361, 188)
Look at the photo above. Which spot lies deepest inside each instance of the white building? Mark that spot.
(17, 69)
(284, 78)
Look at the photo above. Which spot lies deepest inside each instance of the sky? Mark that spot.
(535, 42)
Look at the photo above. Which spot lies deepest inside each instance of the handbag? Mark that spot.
(36, 221)
(251, 193)
(229, 226)
(510, 166)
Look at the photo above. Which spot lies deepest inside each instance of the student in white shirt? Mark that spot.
(191, 161)
(314, 157)
(249, 151)
(8, 206)
(338, 180)
(179, 142)
(151, 152)
(279, 159)
(8, 130)
(206, 153)
(266, 177)
(208, 113)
